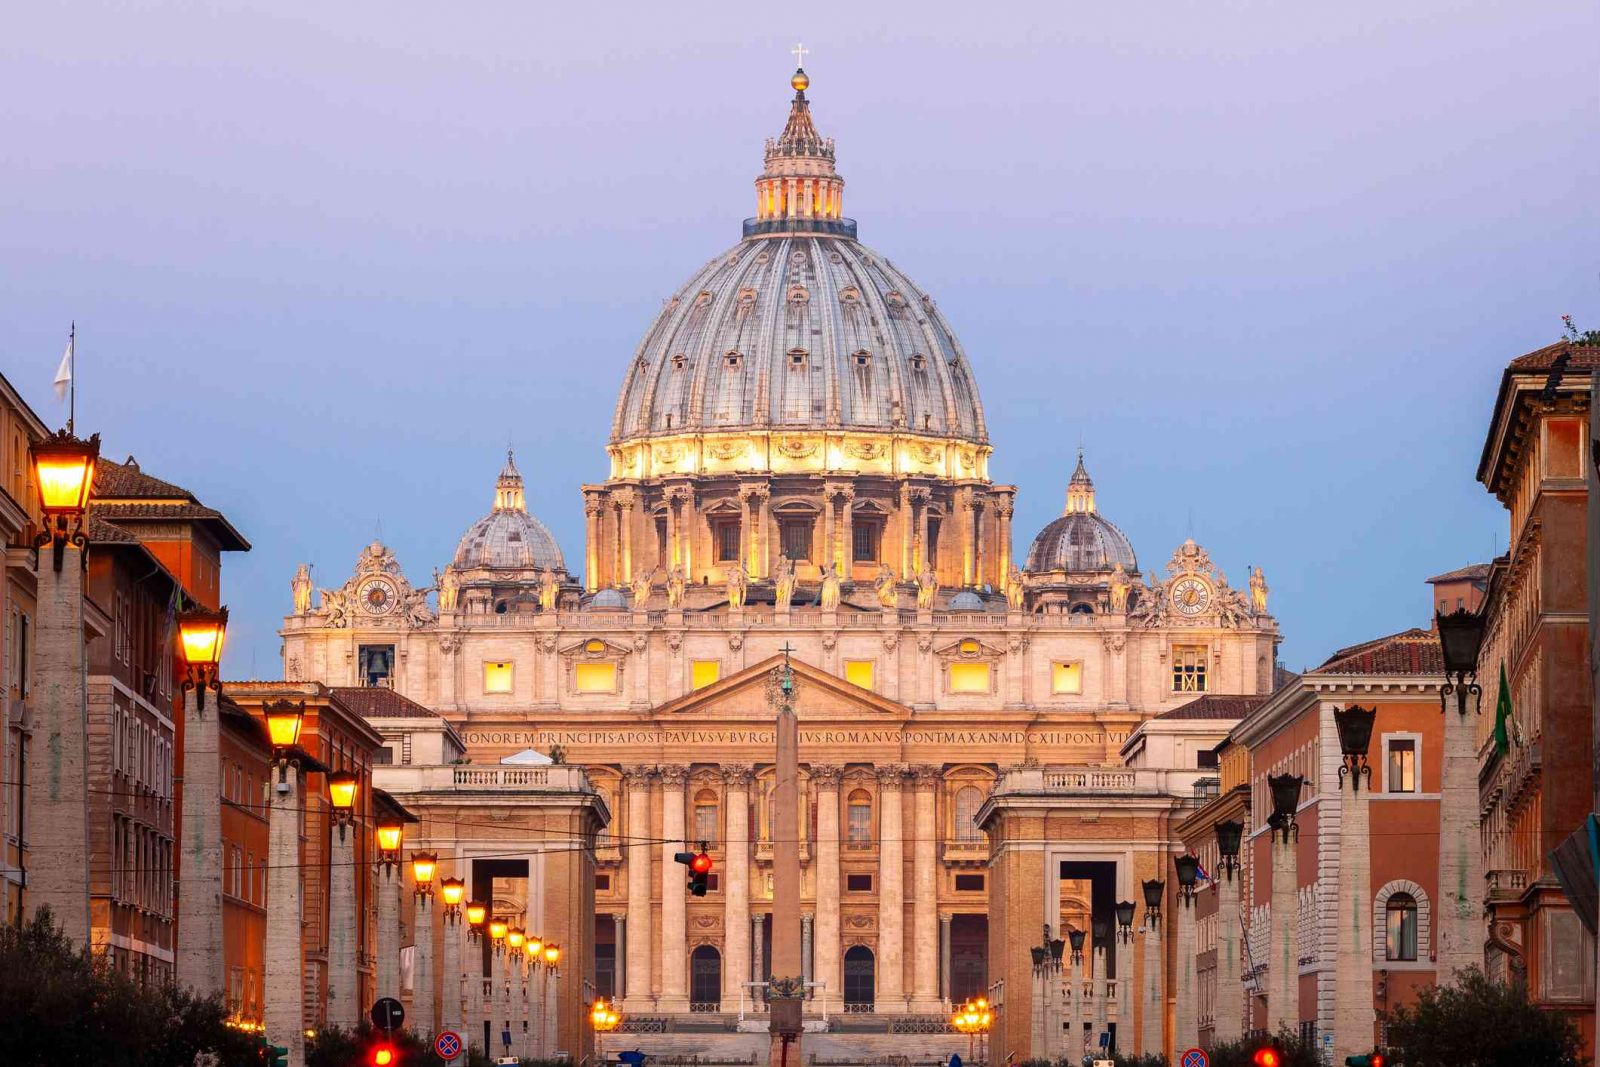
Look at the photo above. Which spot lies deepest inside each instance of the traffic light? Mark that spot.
(1374, 1059)
(383, 1054)
(275, 1056)
(1267, 1056)
(699, 865)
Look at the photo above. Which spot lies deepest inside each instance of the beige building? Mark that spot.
(799, 460)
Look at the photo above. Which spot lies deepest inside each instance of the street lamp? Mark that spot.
(604, 1018)
(552, 955)
(477, 911)
(342, 789)
(63, 471)
(1230, 835)
(200, 634)
(1075, 938)
(1188, 866)
(391, 833)
(497, 931)
(1125, 909)
(1285, 790)
(1154, 891)
(514, 938)
(284, 718)
(451, 890)
(1460, 638)
(1355, 737)
(423, 866)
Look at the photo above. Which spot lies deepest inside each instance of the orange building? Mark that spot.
(1538, 787)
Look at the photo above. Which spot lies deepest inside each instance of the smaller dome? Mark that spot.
(1081, 539)
(966, 600)
(608, 600)
(508, 538)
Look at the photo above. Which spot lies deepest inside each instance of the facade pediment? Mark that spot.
(969, 648)
(819, 697)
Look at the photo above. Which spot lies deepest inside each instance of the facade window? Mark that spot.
(1568, 971)
(796, 537)
(861, 672)
(384, 756)
(969, 883)
(497, 677)
(725, 533)
(1189, 669)
(858, 824)
(969, 678)
(1401, 765)
(931, 549)
(661, 539)
(867, 536)
(703, 672)
(1401, 914)
(595, 677)
(1066, 678)
(1206, 759)
(968, 800)
(858, 883)
(602, 883)
(705, 816)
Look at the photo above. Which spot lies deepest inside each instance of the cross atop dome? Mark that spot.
(799, 191)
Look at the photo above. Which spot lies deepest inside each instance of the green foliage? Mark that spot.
(334, 1047)
(1149, 1059)
(1292, 1052)
(1477, 1022)
(61, 1006)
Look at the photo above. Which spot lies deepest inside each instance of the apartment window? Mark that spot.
(1189, 669)
(1066, 678)
(796, 537)
(595, 677)
(703, 672)
(969, 883)
(1401, 765)
(725, 532)
(858, 883)
(861, 672)
(866, 535)
(1401, 916)
(497, 677)
(858, 823)
(969, 677)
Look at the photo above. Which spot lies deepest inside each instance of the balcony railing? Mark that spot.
(474, 778)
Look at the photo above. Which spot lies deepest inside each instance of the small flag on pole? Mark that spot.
(64, 372)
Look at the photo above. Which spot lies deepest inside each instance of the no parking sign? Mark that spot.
(447, 1045)
(1196, 1057)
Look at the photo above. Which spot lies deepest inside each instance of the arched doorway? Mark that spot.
(860, 977)
(705, 979)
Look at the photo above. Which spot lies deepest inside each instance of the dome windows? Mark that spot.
(919, 362)
(863, 358)
(680, 361)
(797, 359)
(733, 360)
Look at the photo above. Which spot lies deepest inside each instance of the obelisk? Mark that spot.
(786, 992)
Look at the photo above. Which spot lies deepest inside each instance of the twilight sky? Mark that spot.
(1265, 260)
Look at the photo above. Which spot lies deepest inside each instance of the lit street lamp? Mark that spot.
(63, 471)
(284, 718)
(604, 1018)
(342, 789)
(200, 634)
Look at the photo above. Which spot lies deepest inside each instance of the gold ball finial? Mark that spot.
(800, 82)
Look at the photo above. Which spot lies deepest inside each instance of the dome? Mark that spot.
(508, 538)
(1081, 539)
(608, 600)
(966, 600)
(799, 326)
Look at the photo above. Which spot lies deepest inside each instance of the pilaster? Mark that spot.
(200, 943)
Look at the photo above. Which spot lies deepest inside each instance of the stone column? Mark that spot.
(806, 952)
(829, 553)
(919, 500)
(283, 1011)
(1102, 995)
(736, 894)
(890, 994)
(944, 959)
(493, 1011)
(758, 960)
(1283, 964)
(1228, 1011)
(674, 904)
(637, 991)
(422, 989)
(387, 972)
(199, 957)
(1124, 998)
(591, 536)
(549, 1035)
(825, 780)
(907, 534)
(450, 975)
(925, 901)
(1002, 533)
(1458, 918)
(1153, 1017)
(619, 982)
(1073, 969)
(472, 967)
(1186, 1019)
(344, 988)
(1354, 1019)
(58, 801)
(516, 1001)
(766, 533)
(847, 544)
(625, 502)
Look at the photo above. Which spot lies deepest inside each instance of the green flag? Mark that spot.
(1502, 715)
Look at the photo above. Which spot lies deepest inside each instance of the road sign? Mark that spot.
(388, 1014)
(447, 1045)
(1196, 1057)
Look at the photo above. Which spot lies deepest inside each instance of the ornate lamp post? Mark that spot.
(58, 804)
(1186, 1019)
(284, 1013)
(1458, 922)
(344, 982)
(1124, 949)
(1046, 1030)
(1153, 1013)
(1075, 1006)
(451, 893)
(516, 995)
(1354, 1021)
(424, 865)
(548, 978)
(603, 1018)
(199, 931)
(1100, 987)
(390, 835)
(1228, 1014)
(1283, 984)
(284, 718)
(497, 1009)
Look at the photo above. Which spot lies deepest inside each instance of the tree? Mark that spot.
(1477, 1022)
(1292, 1051)
(61, 1005)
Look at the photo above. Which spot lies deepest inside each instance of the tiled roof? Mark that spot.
(1414, 651)
(380, 702)
(146, 498)
(101, 532)
(1215, 706)
(1543, 358)
(1473, 571)
(120, 480)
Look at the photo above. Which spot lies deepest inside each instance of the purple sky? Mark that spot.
(1266, 260)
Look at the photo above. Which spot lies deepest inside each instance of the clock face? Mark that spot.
(377, 596)
(1190, 595)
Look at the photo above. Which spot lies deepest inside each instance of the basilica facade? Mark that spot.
(799, 465)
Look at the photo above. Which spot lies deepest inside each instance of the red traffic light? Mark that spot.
(1377, 1060)
(1267, 1057)
(383, 1055)
(700, 864)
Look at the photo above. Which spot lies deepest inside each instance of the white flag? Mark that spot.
(64, 372)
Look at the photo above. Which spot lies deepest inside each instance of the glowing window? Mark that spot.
(497, 677)
(969, 647)
(1189, 669)
(702, 672)
(1066, 678)
(969, 677)
(860, 672)
(595, 677)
